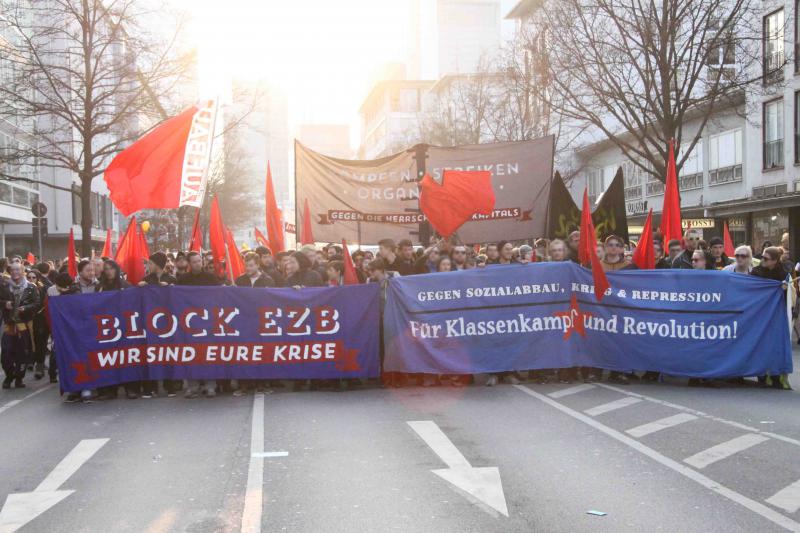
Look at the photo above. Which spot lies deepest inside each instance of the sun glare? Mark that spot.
(323, 54)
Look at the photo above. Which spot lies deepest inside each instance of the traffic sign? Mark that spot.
(36, 223)
(39, 209)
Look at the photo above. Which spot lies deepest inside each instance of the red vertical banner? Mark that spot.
(273, 215)
(588, 249)
(72, 266)
(350, 276)
(216, 234)
(196, 242)
(644, 256)
(671, 212)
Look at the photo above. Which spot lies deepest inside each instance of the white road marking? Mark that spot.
(701, 414)
(752, 505)
(724, 450)
(611, 406)
(270, 454)
(253, 497)
(572, 390)
(658, 425)
(21, 508)
(70, 464)
(481, 483)
(12, 403)
(787, 498)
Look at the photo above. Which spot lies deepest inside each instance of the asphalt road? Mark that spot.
(509, 458)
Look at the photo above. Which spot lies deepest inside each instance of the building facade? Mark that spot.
(57, 188)
(390, 116)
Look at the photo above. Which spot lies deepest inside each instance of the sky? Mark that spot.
(323, 53)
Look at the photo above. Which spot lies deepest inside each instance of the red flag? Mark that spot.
(235, 263)
(730, 251)
(129, 254)
(461, 195)
(644, 256)
(157, 171)
(31, 258)
(261, 239)
(144, 250)
(107, 246)
(588, 248)
(306, 234)
(216, 234)
(274, 223)
(197, 236)
(671, 212)
(350, 276)
(72, 266)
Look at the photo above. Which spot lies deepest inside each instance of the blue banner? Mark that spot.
(153, 333)
(545, 315)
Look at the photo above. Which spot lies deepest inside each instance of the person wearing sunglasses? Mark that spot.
(771, 267)
(684, 261)
(702, 260)
(743, 261)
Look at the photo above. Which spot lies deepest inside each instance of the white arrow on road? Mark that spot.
(21, 508)
(482, 483)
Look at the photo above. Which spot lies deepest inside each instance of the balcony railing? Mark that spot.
(633, 193)
(654, 188)
(692, 181)
(773, 154)
(720, 176)
(773, 66)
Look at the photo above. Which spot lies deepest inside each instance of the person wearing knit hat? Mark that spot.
(721, 260)
(156, 274)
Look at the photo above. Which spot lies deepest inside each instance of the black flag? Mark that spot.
(563, 216)
(609, 216)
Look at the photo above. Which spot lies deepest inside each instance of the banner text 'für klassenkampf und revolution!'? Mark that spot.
(521, 317)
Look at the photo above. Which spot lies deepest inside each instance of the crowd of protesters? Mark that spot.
(25, 289)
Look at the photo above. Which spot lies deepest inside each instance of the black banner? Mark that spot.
(609, 214)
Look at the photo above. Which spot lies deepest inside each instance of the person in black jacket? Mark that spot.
(196, 275)
(253, 276)
(299, 273)
(19, 300)
(40, 329)
(772, 268)
(157, 276)
(155, 271)
(111, 278)
(691, 239)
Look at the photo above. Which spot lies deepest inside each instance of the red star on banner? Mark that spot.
(575, 317)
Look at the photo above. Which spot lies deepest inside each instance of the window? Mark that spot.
(725, 154)
(796, 36)
(594, 182)
(773, 46)
(773, 134)
(409, 100)
(721, 50)
(797, 128)
(76, 204)
(691, 174)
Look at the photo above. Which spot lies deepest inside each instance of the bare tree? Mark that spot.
(458, 109)
(86, 74)
(637, 71)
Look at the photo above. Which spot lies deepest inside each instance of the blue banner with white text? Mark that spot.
(154, 333)
(545, 315)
